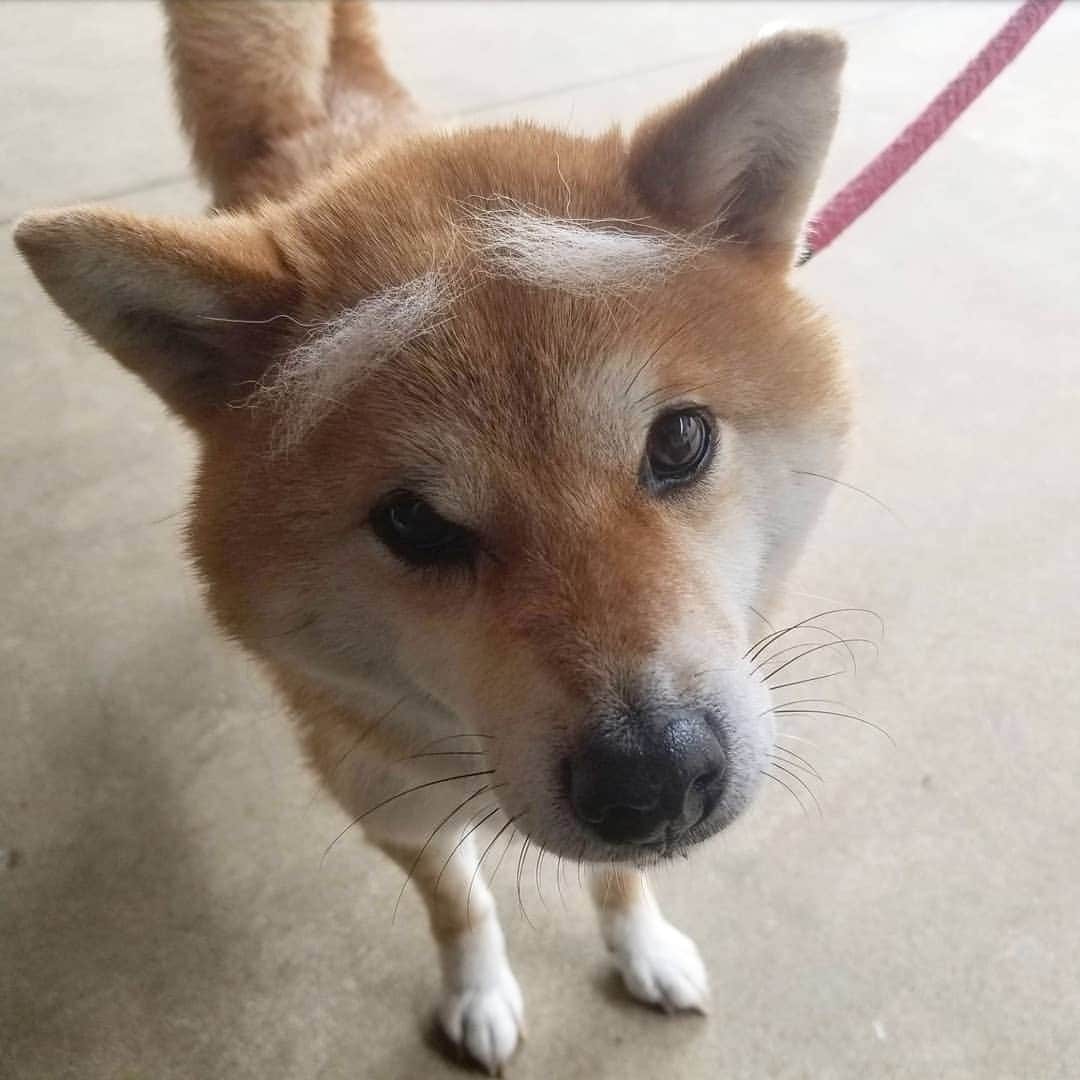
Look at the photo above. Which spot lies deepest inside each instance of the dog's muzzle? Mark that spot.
(645, 780)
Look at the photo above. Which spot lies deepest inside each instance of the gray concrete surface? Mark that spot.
(167, 915)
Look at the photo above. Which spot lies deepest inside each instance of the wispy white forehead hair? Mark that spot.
(336, 357)
(584, 258)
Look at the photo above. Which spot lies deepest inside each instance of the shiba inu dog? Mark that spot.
(503, 433)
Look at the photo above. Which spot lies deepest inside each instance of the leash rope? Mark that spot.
(860, 193)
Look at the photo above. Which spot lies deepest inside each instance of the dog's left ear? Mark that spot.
(191, 307)
(739, 157)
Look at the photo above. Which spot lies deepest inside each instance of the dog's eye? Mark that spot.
(413, 531)
(678, 444)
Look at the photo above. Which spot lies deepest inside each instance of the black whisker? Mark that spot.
(790, 790)
(476, 813)
(459, 735)
(845, 716)
(783, 710)
(166, 517)
(491, 812)
(443, 753)
(698, 315)
(400, 795)
(802, 763)
(803, 701)
(479, 863)
(801, 682)
(838, 639)
(799, 780)
(754, 651)
(520, 870)
(427, 843)
(369, 731)
(852, 487)
(559, 866)
(810, 651)
(662, 389)
(506, 847)
(763, 643)
(783, 652)
(659, 403)
(540, 853)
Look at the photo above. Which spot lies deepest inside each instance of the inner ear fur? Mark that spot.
(188, 306)
(739, 157)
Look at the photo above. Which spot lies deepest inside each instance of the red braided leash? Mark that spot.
(857, 196)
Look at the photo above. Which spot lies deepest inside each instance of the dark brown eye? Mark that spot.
(679, 443)
(414, 531)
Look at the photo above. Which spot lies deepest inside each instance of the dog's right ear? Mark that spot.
(739, 157)
(188, 306)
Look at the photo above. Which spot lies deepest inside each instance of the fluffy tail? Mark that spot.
(273, 91)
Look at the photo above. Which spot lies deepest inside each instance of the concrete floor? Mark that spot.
(165, 913)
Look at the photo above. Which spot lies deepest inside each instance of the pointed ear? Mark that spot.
(160, 296)
(740, 156)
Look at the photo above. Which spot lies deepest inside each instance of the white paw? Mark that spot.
(659, 965)
(486, 1021)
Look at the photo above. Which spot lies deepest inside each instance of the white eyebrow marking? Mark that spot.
(579, 257)
(317, 375)
(585, 258)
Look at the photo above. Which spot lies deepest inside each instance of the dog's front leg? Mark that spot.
(481, 1009)
(659, 965)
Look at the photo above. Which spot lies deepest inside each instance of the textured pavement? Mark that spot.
(165, 913)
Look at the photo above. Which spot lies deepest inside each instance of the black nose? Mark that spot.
(644, 779)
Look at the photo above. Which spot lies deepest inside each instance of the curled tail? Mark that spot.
(273, 91)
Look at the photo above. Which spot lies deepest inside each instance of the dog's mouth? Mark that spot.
(676, 843)
(647, 785)
(634, 787)
(583, 847)
(624, 837)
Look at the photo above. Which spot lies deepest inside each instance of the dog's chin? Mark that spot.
(565, 839)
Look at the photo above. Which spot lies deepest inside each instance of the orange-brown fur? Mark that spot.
(349, 241)
(274, 93)
(617, 889)
(524, 409)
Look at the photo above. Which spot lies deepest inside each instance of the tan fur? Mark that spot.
(273, 92)
(521, 414)
(617, 889)
(444, 888)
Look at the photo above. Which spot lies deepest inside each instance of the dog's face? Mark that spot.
(526, 439)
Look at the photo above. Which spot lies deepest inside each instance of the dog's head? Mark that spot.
(508, 425)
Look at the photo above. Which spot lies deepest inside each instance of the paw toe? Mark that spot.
(485, 1022)
(663, 968)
